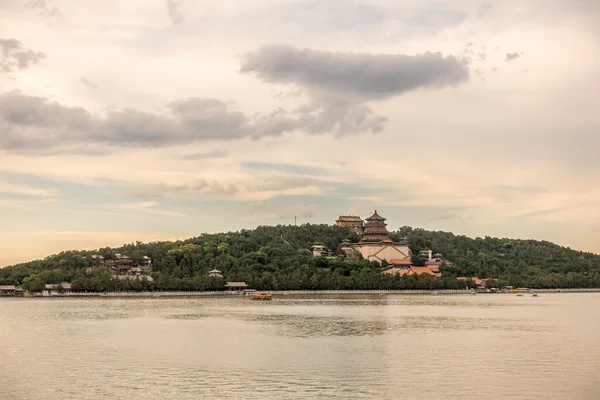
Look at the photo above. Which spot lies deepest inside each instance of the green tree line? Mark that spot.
(279, 258)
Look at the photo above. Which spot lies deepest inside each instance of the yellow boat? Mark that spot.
(261, 296)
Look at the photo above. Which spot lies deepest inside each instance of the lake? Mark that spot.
(495, 346)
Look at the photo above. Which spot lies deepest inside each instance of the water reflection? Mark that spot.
(359, 347)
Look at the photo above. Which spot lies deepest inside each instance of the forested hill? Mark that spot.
(278, 257)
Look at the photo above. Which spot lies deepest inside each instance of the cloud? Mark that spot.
(200, 186)
(25, 190)
(44, 8)
(148, 207)
(205, 156)
(448, 217)
(15, 57)
(511, 56)
(263, 210)
(288, 168)
(359, 75)
(32, 122)
(25, 204)
(284, 183)
(339, 84)
(89, 84)
(174, 10)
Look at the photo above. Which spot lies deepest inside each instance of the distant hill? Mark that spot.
(278, 258)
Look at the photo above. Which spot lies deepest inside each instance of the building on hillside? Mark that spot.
(375, 229)
(321, 251)
(397, 267)
(7, 290)
(146, 264)
(434, 259)
(236, 286)
(317, 250)
(352, 222)
(133, 278)
(215, 273)
(121, 264)
(476, 280)
(99, 259)
(423, 270)
(375, 244)
(56, 289)
(124, 265)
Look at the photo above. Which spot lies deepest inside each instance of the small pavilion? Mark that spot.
(236, 286)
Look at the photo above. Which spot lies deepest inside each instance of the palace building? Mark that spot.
(375, 244)
(352, 222)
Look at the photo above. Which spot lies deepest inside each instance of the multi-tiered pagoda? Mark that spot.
(375, 229)
(375, 244)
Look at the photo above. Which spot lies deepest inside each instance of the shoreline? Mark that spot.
(291, 293)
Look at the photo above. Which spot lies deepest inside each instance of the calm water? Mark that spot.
(330, 347)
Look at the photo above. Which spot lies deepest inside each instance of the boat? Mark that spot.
(534, 295)
(260, 296)
(520, 295)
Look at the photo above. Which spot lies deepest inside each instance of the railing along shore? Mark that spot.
(302, 292)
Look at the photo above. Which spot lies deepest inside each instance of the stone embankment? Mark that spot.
(304, 292)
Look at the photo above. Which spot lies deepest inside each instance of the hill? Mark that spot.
(278, 258)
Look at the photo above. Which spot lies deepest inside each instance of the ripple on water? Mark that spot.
(359, 347)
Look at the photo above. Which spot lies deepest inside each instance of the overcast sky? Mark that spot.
(151, 120)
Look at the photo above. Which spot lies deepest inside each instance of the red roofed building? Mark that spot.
(376, 245)
(397, 267)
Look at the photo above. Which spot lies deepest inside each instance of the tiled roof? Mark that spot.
(349, 218)
(7, 287)
(375, 216)
(398, 261)
(236, 284)
(421, 270)
(474, 279)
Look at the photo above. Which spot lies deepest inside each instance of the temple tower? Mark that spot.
(375, 229)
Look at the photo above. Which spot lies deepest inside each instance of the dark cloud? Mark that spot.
(205, 156)
(365, 76)
(512, 56)
(339, 84)
(174, 10)
(30, 122)
(15, 57)
(89, 84)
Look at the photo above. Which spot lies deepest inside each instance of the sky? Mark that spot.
(159, 120)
